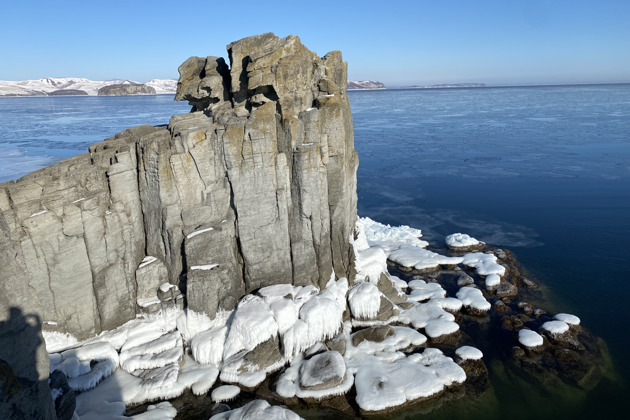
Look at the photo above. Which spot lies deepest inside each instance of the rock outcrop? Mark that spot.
(256, 186)
(127, 88)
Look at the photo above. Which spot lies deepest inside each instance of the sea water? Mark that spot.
(542, 171)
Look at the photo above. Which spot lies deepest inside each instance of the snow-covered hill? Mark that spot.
(45, 86)
(365, 84)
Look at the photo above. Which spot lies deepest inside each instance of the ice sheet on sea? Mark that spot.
(530, 338)
(421, 290)
(258, 409)
(485, 264)
(568, 318)
(380, 385)
(555, 327)
(364, 300)
(461, 240)
(473, 298)
(252, 323)
(418, 258)
(390, 238)
(469, 353)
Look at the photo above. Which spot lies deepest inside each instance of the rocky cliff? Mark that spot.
(256, 186)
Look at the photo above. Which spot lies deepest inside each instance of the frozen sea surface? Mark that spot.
(543, 171)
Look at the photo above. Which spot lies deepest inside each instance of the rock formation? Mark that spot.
(128, 88)
(256, 186)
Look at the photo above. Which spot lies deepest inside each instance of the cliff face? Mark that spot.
(256, 187)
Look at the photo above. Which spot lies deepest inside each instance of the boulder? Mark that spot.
(323, 371)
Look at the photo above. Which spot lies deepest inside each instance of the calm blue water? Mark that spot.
(543, 171)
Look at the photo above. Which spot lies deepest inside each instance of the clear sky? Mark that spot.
(396, 42)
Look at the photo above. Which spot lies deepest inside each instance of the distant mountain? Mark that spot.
(126, 88)
(76, 86)
(364, 84)
(450, 85)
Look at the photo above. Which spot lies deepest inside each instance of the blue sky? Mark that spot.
(396, 42)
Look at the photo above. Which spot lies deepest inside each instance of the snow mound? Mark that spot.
(225, 393)
(485, 264)
(461, 240)
(421, 314)
(493, 280)
(258, 409)
(380, 385)
(568, 318)
(207, 347)
(469, 353)
(390, 238)
(252, 323)
(421, 290)
(57, 341)
(364, 300)
(473, 298)
(529, 338)
(370, 263)
(555, 327)
(421, 259)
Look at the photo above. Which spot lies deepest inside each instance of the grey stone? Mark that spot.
(266, 160)
(375, 334)
(323, 371)
(506, 289)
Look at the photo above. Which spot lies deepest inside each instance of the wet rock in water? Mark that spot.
(500, 307)
(323, 371)
(465, 280)
(374, 334)
(525, 307)
(506, 289)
